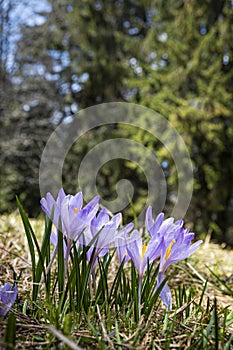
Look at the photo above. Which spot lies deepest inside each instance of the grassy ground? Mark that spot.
(202, 315)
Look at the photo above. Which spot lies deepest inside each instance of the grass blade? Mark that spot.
(10, 333)
(61, 263)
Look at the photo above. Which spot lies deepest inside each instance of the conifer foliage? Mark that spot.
(175, 57)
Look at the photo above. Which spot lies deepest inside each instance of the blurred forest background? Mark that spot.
(176, 57)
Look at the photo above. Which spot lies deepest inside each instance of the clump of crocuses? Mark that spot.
(8, 295)
(91, 226)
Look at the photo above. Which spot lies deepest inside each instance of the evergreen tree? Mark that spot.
(28, 99)
(8, 103)
(77, 58)
(187, 76)
(101, 38)
(175, 57)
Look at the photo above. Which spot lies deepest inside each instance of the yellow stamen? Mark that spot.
(168, 252)
(75, 210)
(144, 246)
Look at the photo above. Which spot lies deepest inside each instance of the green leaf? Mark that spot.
(39, 268)
(61, 262)
(10, 333)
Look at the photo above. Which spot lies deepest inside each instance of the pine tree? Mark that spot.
(188, 77)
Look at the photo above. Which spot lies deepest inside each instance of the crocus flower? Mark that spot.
(52, 207)
(142, 254)
(121, 242)
(178, 248)
(159, 227)
(67, 213)
(54, 241)
(68, 216)
(8, 296)
(101, 232)
(175, 246)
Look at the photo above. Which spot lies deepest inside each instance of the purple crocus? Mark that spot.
(121, 242)
(178, 248)
(159, 227)
(175, 246)
(67, 213)
(54, 241)
(142, 254)
(52, 207)
(101, 232)
(8, 296)
(68, 216)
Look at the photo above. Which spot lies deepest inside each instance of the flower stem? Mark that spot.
(50, 264)
(68, 248)
(139, 296)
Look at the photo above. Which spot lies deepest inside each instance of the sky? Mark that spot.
(25, 12)
(28, 12)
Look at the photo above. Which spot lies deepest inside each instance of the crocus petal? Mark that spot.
(8, 296)
(85, 237)
(153, 226)
(134, 249)
(53, 238)
(89, 253)
(50, 207)
(60, 197)
(103, 252)
(84, 217)
(76, 202)
(65, 217)
(179, 222)
(167, 225)
(54, 241)
(177, 251)
(80, 220)
(120, 242)
(117, 219)
(47, 204)
(194, 247)
(158, 222)
(108, 232)
(149, 218)
(122, 254)
(152, 253)
(99, 221)
(156, 228)
(154, 249)
(165, 293)
(78, 225)
(93, 204)
(126, 229)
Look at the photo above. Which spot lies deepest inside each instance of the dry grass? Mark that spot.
(209, 261)
(212, 257)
